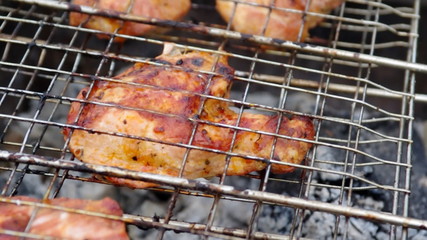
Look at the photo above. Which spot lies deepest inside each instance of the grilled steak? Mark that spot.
(162, 111)
(282, 24)
(161, 9)
(63, 224)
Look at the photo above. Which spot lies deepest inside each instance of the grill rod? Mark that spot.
(217, 189)
(335, 87)
(324, 51)
(141, 221)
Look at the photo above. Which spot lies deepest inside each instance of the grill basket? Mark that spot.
(355, 76)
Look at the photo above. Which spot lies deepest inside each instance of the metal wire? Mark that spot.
(338, 70)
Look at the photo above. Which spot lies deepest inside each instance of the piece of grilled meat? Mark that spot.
(162, 113)
(63, 224)
(250, 18)
(161, 9)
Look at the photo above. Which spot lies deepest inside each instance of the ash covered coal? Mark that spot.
(319, 225)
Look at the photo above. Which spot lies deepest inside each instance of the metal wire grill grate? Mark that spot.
(354, 77)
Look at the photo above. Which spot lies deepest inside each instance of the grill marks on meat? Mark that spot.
(64, 224)
(176, 91)
(282, 24)
(161, 9)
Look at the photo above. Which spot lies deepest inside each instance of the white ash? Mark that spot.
(321, 225)
(32, 185)
(275, 219)
(325, 153)
(52, 135)
(335, 158)
(417, 235)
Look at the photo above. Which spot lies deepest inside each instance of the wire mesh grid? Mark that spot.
(339, 78)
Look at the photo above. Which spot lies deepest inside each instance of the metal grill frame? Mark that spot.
(220, 191)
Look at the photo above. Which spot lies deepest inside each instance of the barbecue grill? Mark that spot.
(354, 76)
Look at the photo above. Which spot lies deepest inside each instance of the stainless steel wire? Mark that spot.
(337, 69)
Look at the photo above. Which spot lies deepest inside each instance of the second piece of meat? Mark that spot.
(161, 9)
(60, 223)
(283, 22)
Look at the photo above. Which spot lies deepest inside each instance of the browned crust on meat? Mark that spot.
(165, 96)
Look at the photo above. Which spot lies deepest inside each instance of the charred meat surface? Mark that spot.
(249, 16)
(161, 9)
(63, 224)
(161, 103)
